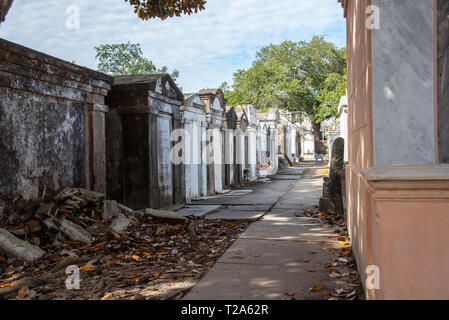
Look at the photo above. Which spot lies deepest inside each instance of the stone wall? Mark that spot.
(52, 131)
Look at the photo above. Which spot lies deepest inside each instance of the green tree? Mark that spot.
(306, 78)
(127, 59)
(147, 9)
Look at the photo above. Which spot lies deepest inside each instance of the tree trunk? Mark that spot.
(316, 130)
(4, 7)
(319, 146)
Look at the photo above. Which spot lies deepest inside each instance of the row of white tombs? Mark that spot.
(165, 148)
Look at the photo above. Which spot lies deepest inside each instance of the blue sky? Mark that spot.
(207, 48)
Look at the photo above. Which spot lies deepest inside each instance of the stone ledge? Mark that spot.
(437, 172)
(47, 59)
(413, 179)
(99, 108)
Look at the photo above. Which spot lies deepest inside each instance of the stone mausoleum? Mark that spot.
(397, 179)
(52, 128)
(145, 110)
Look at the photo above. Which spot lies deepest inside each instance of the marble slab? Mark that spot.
(403, 84)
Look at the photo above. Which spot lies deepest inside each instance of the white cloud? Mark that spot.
(206, 47)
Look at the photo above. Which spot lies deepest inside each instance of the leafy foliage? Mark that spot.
(127, 59)
(307, 78)
(147, 9)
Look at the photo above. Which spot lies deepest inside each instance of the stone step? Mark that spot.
(198, 210)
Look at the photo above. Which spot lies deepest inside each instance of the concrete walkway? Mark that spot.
(282, 253)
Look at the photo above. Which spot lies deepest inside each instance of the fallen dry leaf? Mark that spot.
(96, 291)
(23, 292)
(136, 257)
(345, 252)
(187, 275)
(343, 243)
(100, 245)
(108, 296)
(238, 257)
(231, 224)
(5, 285)
(88, 268)
(70, 242)
(316, 288)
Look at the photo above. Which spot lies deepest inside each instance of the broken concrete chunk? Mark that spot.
(66, 193)
(19, 248)
(76, 202)
(45, 210)
(110, 209)
(76, 232)
(125, 209)
(91, 196)
(98, 229)
(18, 232)
(120, 223)
(50, 224)
(165, 215)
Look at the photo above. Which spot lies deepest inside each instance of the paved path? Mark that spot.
(278, 254)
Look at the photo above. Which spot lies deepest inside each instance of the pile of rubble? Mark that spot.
(76, 215)
(121, 252)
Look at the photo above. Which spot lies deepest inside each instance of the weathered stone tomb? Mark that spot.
(194, 119)
(271, 120)
(145, 110)
(230, 148)
(241, 134)
(52, 128)
(216, 117)
(252, 143)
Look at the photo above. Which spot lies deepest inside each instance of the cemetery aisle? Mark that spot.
(282, 256)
